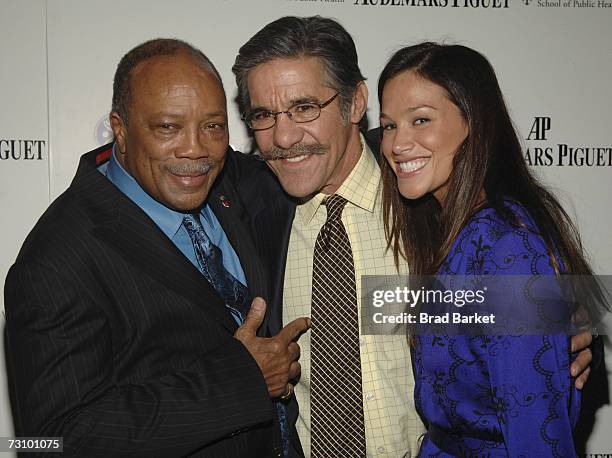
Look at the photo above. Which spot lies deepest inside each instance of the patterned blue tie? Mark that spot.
(235, 295)
(210, 261)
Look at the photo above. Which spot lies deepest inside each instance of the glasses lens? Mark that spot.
(261, 120)
(305, 112)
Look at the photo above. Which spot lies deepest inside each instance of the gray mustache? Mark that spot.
(276, 153)
(191, 168)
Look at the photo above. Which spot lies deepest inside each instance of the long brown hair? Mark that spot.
(490, 159)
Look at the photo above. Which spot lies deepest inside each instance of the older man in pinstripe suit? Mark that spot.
(118, 336)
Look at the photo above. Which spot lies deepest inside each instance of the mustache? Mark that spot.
(276, 153)
(191, 168)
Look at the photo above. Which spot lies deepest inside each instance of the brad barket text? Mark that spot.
(427, 318)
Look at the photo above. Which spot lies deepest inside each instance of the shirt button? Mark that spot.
(370, 397)
(381, 450)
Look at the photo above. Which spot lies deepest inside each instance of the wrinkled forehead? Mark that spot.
(289, 79)
(160, 73)
(180, 63)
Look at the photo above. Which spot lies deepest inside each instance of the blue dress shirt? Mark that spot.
(170, 221)
(171, 224)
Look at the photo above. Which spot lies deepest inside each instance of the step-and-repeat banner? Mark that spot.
(553, 59)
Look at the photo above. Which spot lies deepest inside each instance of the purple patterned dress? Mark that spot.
(496, 395)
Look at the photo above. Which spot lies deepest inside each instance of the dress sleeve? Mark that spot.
(531, 388)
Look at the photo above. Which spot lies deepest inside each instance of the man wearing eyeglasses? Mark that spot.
(303, 96)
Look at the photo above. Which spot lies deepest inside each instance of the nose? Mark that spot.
(193, 144)
(286, 132)
(403, 141)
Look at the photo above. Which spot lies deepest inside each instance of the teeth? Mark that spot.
(297, 158)
(413, 165)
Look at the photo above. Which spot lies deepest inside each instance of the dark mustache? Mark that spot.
(276, 153)
(191, 168)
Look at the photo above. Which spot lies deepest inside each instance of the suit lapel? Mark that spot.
(229, 211)
(271, 223)
(130, 232)
(275, 223)
(268, 213)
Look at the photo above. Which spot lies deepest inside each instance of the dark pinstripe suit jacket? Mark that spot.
(117, 343)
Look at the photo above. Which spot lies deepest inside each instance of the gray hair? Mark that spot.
(296, 37)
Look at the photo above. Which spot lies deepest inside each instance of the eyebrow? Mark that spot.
(410, 110)
(217, 113)
(292, 103)
(418, 107)
(167, 114)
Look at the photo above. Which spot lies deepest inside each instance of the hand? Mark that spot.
(276, 356)
(580, 367)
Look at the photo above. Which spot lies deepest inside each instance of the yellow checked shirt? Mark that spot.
(391, 422)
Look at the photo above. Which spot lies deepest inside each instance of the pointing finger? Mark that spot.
(294, 330)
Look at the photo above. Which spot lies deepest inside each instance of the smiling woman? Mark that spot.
(459, 201)
(431, 130)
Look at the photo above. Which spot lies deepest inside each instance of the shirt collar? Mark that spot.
(360, 188)
(168, 220)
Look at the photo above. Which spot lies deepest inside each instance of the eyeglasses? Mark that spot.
(302, 112)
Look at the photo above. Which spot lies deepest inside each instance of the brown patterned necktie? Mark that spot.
(336, 400)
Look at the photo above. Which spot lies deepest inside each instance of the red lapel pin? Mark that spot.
(224, 201)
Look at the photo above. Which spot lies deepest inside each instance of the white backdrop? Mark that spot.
(58, 57)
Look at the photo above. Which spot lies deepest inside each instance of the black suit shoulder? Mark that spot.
(252, 177)
(373, 137)
(56, 229)
(115, 341)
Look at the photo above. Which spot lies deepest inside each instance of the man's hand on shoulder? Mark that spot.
(581, 367)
